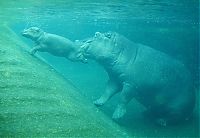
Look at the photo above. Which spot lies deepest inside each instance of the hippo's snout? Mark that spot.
(97, 35)
(24, 32)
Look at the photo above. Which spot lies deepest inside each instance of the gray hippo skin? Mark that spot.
(160, 83)
(54, 44)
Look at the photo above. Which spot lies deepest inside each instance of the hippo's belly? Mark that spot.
(152, 67)
(57, 52)
(57, 45)
(157, 77)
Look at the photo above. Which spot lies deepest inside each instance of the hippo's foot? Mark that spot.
(119, 112)
(32, 52)
(162, 122)
(99, 102)
(84, 60)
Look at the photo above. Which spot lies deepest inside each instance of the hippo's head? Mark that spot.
(100, 45)
(103, 38)
(33, 33)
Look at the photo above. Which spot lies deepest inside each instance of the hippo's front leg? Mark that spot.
(35, 49)
(126, 95)
(111, 89)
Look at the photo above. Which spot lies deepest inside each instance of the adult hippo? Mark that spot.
(160, 83)
(54, 44)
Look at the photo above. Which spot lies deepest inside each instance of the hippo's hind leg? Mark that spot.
(111, 89)
(172, 117)
(126, 95)
(178, 110)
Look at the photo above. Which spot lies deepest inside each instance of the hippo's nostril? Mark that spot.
(108, 35)
(97, 34)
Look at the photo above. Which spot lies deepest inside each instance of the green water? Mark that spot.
(169, 26)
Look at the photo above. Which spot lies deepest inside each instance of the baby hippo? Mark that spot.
(54, 44)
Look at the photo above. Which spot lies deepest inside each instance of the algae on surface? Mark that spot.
(36, 101)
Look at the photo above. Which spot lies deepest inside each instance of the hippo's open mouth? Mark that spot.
(89, 41)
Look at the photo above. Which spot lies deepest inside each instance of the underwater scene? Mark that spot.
(99, 68)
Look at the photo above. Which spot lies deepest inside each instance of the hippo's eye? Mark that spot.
(37, 30)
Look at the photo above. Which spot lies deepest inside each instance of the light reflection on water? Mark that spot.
(148, 11)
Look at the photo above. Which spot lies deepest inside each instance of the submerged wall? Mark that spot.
(36, 101)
